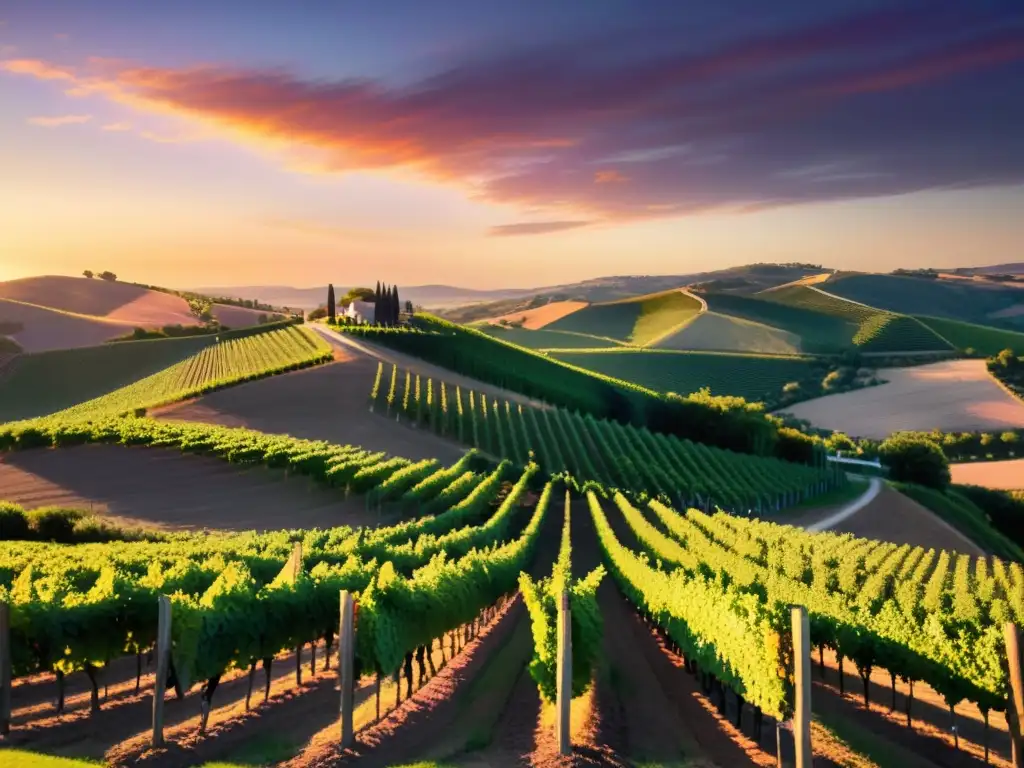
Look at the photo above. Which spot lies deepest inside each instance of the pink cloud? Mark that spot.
(53, 122)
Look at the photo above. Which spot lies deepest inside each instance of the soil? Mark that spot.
(1004, 475)
(100, 298)
(893, 517)
(539, 317)
(328, 402)
(955, 395)
(163, 488)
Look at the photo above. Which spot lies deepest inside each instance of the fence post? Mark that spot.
(564, 692)
(1015, 708)
(346, 665)
(802, 668)
(5, 668)
(163, 662)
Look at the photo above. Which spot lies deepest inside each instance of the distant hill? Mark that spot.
(433, 296)
(1016, 268)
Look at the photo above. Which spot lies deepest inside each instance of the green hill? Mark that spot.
(712, 331)
(984, 339)
(542, 338)
(640, 321)
(954, 299)
(755, 377)
(873, 330)
(818, 333)
(46, 382)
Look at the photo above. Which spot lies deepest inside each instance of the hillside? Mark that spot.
(539, 317)
(640, 321)
(983, 339)
(722, 333)
(965, 300)
(40, 329)
(873, 330)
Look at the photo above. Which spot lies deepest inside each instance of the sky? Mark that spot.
(496, 145)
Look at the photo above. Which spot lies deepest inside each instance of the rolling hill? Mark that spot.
(640, 321)
(712, 331)
(965, 300)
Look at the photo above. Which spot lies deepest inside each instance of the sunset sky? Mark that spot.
(509, 144)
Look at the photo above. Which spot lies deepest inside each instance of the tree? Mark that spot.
(913, 458)
(88, 273)
(408, 307)
(110, 277)
(377, 305)
(331, 315)
(317, 314)
(357, 294)
(395, 305)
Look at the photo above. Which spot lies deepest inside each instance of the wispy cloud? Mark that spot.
(890, 96)
(534, 228)
(53, 122)
(117, 127)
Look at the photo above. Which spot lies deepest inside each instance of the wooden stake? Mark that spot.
(5, 668)
(346, 665)
(163, 661)
(564, 692)
(802, 667)
(1015, 708)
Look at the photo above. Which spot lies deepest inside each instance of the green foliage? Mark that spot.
(994, 520)
(981, 339)
(729, 633)
(912, 459)
(740, 426)
(225, 363)
(637, 460)
(543, 598)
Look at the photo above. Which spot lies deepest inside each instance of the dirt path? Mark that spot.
(163, 488)
(891, 516)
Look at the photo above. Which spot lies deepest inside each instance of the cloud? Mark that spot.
(911, 97)
(53, 122)
(609, 177)
(117, 127)
(534, 228)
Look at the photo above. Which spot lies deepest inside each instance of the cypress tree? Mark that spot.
(377, 305)
(383, 305)
(396, 307)
(330, 303)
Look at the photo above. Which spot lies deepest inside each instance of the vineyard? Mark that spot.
(38, 384)
(543, 338)
(713, 585)
(982, 339)
(223, 363)
(874, 330)
(596, 450)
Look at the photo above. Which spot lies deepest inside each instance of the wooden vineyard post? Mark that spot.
(5, 668)
(163, 662)
(346, 666)
(564, 692)
(802, 668)
(1015, 708)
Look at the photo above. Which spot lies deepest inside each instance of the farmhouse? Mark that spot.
(360, 311)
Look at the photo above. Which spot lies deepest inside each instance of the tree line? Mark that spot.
(387, 306)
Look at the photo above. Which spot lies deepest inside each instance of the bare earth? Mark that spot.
(328, 402)
(893, 517)
(70, 312)
(541, 316)
(166, 489)
(955, 395)
(237, 317)
(1003, 475)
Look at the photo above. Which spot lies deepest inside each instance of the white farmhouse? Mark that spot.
(360, 311)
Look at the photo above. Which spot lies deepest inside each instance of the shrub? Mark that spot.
(794, 445)
(13, 522)
(916, 459)
(55, 524)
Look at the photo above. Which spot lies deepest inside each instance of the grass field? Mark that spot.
(817, 332)
(716, 332)
(46, 382)
(984, 339)
(751, 376)
(640, 321)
